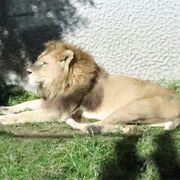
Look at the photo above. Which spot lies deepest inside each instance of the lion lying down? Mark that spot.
(70, 82)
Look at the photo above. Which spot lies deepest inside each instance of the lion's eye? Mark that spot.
(44, 63)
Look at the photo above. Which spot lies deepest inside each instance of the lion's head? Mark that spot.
(61, 69)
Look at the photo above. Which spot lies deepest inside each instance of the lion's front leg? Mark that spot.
(41, 115)
(25, 106)
(96, 127)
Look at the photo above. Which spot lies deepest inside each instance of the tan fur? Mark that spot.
(70, 81)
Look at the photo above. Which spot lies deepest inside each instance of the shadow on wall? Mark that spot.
(26, 24)
(128, 165)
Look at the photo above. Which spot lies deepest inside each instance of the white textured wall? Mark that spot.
(135, 37)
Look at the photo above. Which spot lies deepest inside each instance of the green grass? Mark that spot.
(50, 151)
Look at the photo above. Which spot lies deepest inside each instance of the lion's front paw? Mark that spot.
(3, 110)
(2, 119)
(7, 119)
(6, 110)
(11, 110)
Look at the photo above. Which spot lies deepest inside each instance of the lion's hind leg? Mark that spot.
(153, 110)
(156, 109)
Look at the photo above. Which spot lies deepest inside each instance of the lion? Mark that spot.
(72, 85)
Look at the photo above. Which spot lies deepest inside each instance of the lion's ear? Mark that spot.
(67, 56)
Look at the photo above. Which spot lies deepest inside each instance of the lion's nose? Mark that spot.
(29, 71)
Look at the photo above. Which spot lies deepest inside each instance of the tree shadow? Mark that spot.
(166, 157)
(26, 24)
(125, 164)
